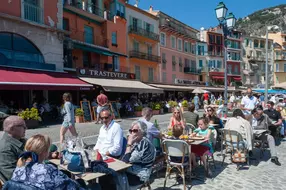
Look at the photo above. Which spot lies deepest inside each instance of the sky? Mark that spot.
(200, 13)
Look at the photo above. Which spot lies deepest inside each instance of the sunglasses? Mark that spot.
(209, 110)
(133, 130)
(105, 117)
(176, 112)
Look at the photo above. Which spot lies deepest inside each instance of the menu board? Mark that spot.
(87, 114)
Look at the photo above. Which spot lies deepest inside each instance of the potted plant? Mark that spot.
(185, 105)
(31, 117)
(79, 115)
(156, 109)
(138, 111)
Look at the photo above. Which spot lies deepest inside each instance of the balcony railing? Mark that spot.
(233, 72)
(33, 12)
(280, 57)
(212, 53)
(213, 69)
(256, 58)
(146, 56)
(89, 38)
(143, 32)
(91, 8)
(192, 70)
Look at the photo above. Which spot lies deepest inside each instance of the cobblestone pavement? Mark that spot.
(262, 174)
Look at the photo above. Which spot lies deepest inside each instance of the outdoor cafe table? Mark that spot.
(116, 165)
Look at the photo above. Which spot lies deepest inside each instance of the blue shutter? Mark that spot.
(88, 34)
(151, 27)
(201, 63)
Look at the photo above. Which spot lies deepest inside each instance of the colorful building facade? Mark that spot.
(97, 38)
(143, 44)
(177, 49)
(31, 34)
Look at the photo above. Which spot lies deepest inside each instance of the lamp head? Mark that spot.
(230, 21)
(221, 11)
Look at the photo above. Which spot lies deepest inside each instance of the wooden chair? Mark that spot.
(178, 149)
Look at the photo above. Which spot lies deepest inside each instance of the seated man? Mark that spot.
(190, 116)
(262, 122)
(152, 131)
(276, 118)
(110, 138)
(11, 145)
(238, 123)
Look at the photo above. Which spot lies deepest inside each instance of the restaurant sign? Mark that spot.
(188, 82)
(104, 74)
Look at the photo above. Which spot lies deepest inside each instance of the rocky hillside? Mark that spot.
(256, 22)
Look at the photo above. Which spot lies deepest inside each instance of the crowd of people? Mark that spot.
(23, 161)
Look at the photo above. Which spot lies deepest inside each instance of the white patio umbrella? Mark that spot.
(199, 90)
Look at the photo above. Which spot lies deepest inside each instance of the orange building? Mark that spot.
(97, 37)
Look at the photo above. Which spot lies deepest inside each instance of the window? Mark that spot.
(211, 39)
(173, 78)
(186, 46)
(200, 63)
(246, 41)
(277, 67)
(193, 49)
(163, 39)
(218, 50)
(284, 67)
(180, 44)
(66, 24)
(14, 47)
(164, 77)
(219, 40)
(150, 74)
(149, 49)
(86, 59)
(173, 42)
(174, 63)
(137, 72)
(114, 38)
(201, 50)
(88, 34)
(33, 11)
(120, 10)
(180, 65)
(256, 42)
(193, 64)
(164, 61)
(262, 44)
(236, 69)
(136, 46)
(116, 65)
(187, 63)
(219, 64)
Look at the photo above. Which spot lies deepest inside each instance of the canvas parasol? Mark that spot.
(198, 90)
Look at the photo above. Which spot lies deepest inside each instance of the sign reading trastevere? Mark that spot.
(104, 74)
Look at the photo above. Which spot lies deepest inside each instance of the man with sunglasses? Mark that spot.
(261, 121)
(11, 145)
(110, 138)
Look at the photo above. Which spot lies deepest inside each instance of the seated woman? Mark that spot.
(140, 152)
(177, 118)
(31, 171)
(202, 150)
(211, 115)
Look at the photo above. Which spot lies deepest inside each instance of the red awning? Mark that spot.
(217, 77)
(19, 79)
(237, 78)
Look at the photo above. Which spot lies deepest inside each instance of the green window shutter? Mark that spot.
(131, 20)
(139, 23)
(152, 28)
(144, 25)
(88, 34)
(203, 50)
(201, 63)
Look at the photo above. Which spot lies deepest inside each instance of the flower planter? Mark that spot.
(156, 112)
(32, 124)
(79, 119)
(137, 113)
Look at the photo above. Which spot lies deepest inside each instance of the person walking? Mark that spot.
(68, 115)
(102, 101)
(197, 102)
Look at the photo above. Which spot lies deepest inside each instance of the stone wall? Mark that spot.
(49, 42)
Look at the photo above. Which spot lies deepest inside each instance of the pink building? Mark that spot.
(177, 50)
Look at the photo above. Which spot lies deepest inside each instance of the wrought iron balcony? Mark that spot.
(91, 8)
(256, 58)
(212, 53)
(33, 12)
(192, 70)
(143, 32)
(146, 56)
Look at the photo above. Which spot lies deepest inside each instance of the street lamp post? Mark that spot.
(227, 23)
(266, 59)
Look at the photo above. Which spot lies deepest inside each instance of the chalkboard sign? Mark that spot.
(87, 115)
(114, 110)
(94, 112)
